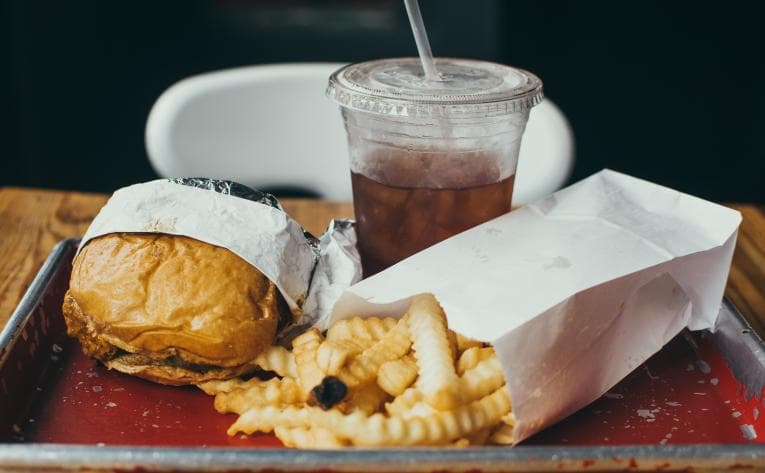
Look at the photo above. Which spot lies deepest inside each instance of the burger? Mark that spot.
(170, 309)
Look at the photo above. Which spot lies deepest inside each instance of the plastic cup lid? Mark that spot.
(465, 89)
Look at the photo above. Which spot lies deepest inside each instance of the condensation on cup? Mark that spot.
(429, 159)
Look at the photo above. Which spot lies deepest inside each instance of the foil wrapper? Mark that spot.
(310, 273)
(230, 188)
(330, 279)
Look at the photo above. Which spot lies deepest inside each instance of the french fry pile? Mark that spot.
(375, 382)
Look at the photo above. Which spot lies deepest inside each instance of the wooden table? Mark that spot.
(32, 221)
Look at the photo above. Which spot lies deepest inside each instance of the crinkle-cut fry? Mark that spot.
(360, 329)
(216, 386)
(332, 355)
(348, 338)
(475, 383)
(354, 347)
(471, 357)
(419, 409)
(463, 343)
(266, 418)
(362, 369)
(438, 379)
(307, 437)
(438, 428)
(305, 347)
(279, 360)
(502, 435)
(404, 402)
(477, 438)
(396, 375)
(367, 399)
(484, 378)
(272, 392)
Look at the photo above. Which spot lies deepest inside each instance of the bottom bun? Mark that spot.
(171, 374)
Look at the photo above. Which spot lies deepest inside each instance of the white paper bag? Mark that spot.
(574, 291)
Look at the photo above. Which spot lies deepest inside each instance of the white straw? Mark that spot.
(421, 38)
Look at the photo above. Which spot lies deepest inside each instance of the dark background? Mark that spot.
(670, 91)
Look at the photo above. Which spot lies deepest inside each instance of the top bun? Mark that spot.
(170, 308)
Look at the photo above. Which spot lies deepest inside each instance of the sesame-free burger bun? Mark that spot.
(168, 308)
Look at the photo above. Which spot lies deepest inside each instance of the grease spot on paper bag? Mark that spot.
(559, 262)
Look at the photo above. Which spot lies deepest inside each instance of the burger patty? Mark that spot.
(175, 361)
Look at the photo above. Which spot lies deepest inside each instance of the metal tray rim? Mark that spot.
(411, 459)
(26, 306)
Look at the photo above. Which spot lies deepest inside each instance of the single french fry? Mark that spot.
(483, 379)
(342, 330)
(438, 379)
(370, 329)
(295, 437)
(366, 399)
(332, 355)
(305, 347)
(396, 375)
(305, 437)
(216, 386)
(279, 360)
(362, 369)
(438, 428)
(266, 418)
(326, 439)
(463, 343)
(502, 435)
(471, 357)
(272, 392)
(404, 402)
(419, 409)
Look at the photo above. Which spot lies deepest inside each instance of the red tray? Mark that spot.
(696, 403)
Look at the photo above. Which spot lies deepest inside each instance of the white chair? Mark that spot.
(271, 126)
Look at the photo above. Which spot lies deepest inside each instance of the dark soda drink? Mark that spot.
(430, 157)
(395, 221)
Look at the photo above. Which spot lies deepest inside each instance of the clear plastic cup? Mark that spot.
(429, 159)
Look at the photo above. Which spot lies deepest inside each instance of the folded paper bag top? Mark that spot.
(574, 291)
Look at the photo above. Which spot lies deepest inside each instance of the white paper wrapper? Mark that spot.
(574, 291)
(262, 235)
